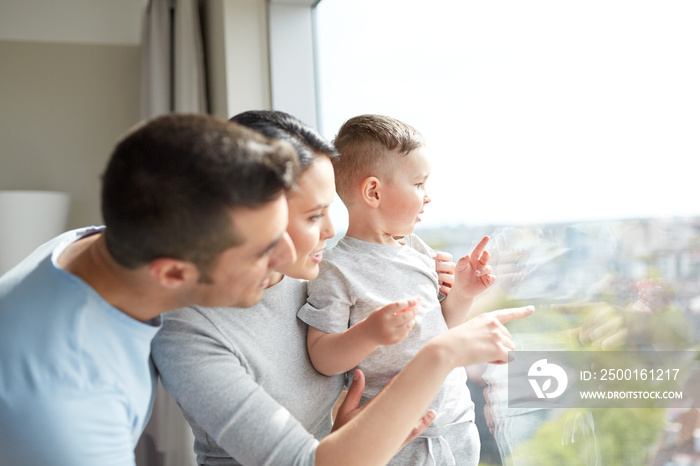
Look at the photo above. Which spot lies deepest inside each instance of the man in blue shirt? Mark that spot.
(195, 213)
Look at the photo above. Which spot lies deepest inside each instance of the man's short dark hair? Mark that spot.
(171, 184)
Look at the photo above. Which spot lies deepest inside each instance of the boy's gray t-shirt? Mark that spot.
(356, 277)
(245, 382)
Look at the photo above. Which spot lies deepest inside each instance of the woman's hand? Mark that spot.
(445, 269)
(483, 338)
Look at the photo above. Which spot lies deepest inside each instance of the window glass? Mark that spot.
(569, 133)
(533, 111)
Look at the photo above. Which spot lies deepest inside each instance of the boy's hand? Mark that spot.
(445, 269)
(390, 324)
(473, 274)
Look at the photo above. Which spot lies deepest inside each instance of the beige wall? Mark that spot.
(62, 106)
(69, 86)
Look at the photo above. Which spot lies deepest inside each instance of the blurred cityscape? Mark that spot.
(622, 285)
(612, 261)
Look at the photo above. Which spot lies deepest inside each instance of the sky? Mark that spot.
(533, 111)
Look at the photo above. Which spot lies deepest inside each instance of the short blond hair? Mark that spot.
(369, 146)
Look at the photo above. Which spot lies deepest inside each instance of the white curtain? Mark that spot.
(172, 79)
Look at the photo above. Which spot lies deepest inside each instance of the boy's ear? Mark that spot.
(172, 273)
(371, 187)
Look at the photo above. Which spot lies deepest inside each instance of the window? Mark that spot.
(568, 131)
(558, 111)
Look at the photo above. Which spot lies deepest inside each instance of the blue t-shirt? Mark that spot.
(76, 381)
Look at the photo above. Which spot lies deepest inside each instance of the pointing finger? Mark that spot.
(508, 315)
(479, 249)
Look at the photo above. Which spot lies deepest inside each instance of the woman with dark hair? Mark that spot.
(243, 376)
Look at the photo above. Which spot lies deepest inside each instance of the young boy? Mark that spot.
(380, 177)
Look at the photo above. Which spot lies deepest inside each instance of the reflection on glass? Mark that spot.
(629, 285)
(549, 112)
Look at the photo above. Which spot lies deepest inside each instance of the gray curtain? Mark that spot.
(173, 74)
(172, 79)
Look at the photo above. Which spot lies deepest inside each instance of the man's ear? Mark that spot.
(371, 188)
(172, 273)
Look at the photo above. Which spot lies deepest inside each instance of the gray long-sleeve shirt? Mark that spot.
(244, 380)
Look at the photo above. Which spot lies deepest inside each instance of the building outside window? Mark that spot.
(568, 132)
